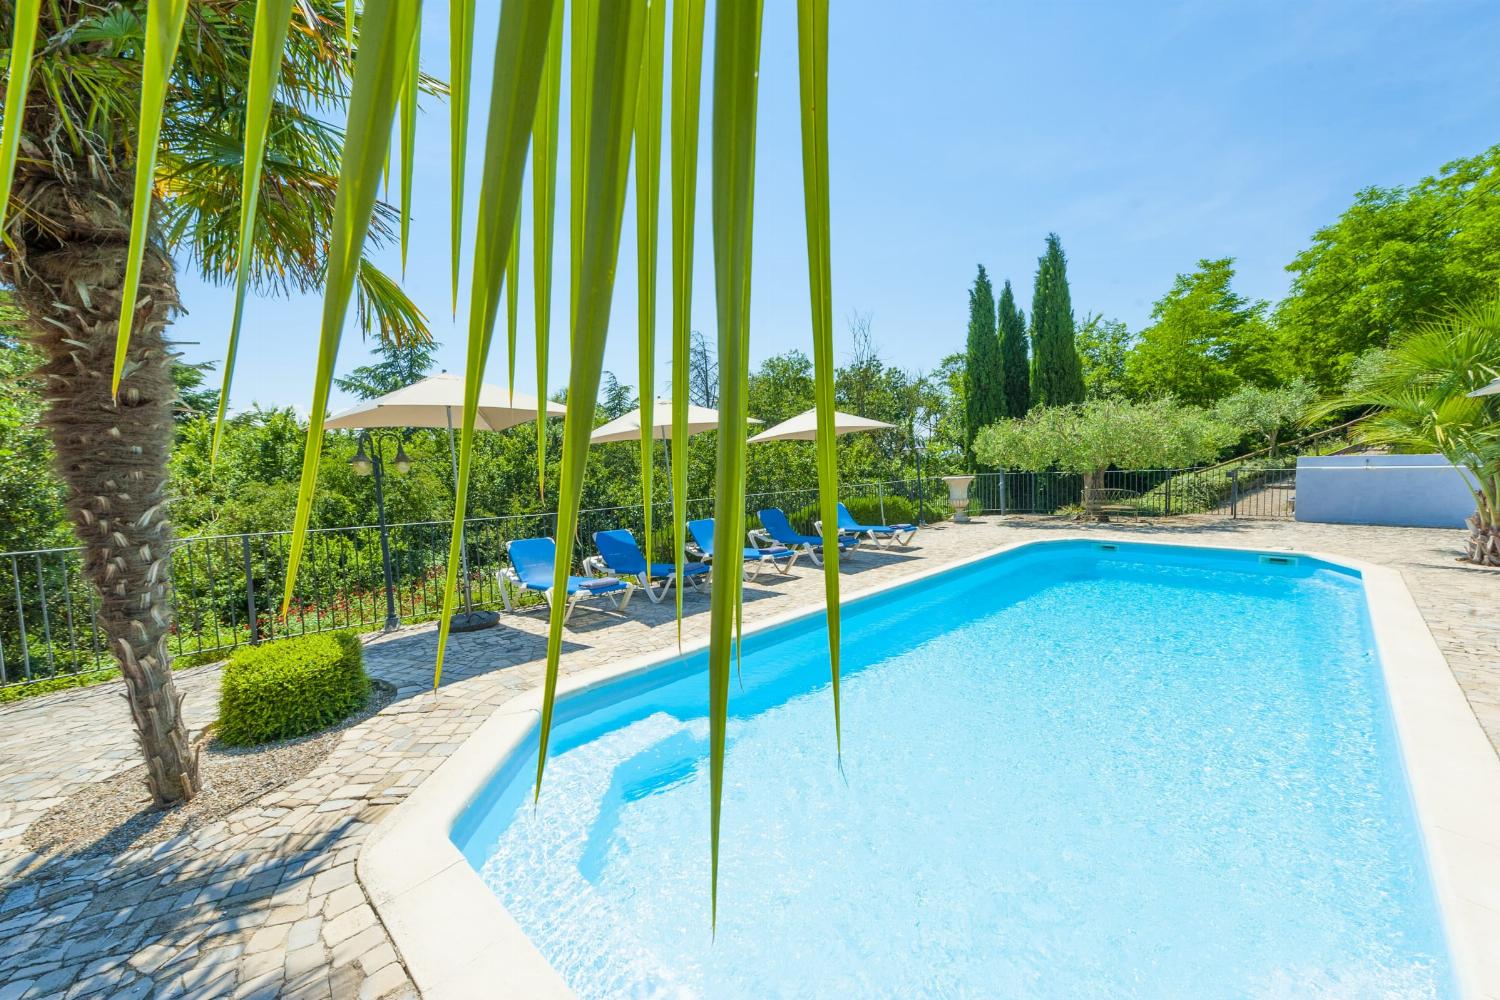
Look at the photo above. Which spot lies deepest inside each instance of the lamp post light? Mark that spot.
(363, 465)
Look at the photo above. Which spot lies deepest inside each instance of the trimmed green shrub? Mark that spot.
(866, 510)
(291, 688)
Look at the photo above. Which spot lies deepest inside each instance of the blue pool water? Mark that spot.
(1068, 772)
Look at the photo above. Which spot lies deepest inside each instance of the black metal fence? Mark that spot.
(228, 589)
(1237, 492)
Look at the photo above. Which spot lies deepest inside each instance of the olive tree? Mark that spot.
(1266, 412)
(1092, 437)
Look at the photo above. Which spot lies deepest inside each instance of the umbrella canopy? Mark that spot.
(804, 427)
(438, 401)
(1493, 389)
(628, 427)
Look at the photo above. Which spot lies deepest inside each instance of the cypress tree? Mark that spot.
(1056, 373)
(984, 391)
(1013, 360)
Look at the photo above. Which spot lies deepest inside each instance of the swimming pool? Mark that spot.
(1069, 770)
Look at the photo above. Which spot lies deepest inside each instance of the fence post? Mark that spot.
(15, 577)
(250, 592)
(1234, 492)
(1000, 476)
(880, 495)
(1166, 503)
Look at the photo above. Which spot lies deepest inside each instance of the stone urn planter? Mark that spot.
(958, 497)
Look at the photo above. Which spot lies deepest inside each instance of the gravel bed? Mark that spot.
(116, 814)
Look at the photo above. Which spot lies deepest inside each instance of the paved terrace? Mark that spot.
(266, 903)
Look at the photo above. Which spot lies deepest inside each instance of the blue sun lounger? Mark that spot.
(777, 557)
(531, 568)
(776, 528)
(619, 555)
(880, 534)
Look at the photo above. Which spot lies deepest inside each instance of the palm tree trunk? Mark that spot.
(67, 264)
(1483, 543)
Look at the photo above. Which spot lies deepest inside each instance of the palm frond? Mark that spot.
(520, 56)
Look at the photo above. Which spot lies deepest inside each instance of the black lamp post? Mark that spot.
(363, 465)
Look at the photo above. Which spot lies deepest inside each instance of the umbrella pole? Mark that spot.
(468, 621)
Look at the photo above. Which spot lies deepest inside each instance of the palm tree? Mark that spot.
(1422, 389)
(66, 239)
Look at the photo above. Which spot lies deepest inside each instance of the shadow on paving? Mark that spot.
(139, 920)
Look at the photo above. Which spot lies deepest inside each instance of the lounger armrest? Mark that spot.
(595, 566)
(760, 538)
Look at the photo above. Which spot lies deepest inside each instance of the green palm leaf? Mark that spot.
(23, 43)
(379, 71)
(612, 97)
(647, 202)
(163, 31)
(585, 25)
(409, 135)
(512, 302)
(272, 18)
(736, 69)
(520, 55)
(812, 61)
(543, 216)
(687, 76)
(460, 59)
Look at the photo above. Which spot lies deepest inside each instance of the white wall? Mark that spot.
(1410, 491)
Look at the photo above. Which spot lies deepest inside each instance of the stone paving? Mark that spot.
(265, 903)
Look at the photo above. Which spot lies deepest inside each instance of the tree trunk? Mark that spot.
(1093, 486)
(1483, 544)
(69, 233)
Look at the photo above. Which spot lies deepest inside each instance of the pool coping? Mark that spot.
(458, 940)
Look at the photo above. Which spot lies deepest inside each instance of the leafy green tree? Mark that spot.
(1103, 347)
(1014, 360)
(1397, 258)
(946, 433)
(1090, 438)
(781, 387)
(67, 250)
(1204, 341)
(984, 396)
(1422, 388)
(1056, 375)
(399, 364)
(1265, 413)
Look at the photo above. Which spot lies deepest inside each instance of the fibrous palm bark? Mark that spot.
(70, 233)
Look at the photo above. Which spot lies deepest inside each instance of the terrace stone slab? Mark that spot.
(265, 902)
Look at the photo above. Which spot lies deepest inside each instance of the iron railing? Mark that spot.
(228, 589)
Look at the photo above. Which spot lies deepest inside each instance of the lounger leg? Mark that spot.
(624, 601)
(653, 594)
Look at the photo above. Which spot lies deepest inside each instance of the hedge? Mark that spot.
(291, 687)
(866, 510)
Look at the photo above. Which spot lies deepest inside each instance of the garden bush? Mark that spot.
(866, 510)
(291, 688)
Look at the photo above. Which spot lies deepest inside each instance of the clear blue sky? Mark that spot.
(1148, 135)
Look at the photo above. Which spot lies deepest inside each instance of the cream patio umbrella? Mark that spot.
(433, 402)
(628, 426)
(1493, 389)
(804, 427)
